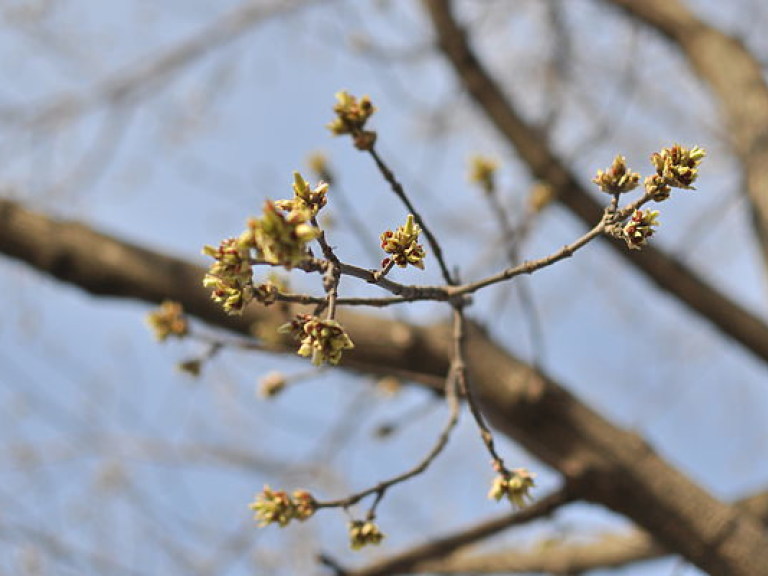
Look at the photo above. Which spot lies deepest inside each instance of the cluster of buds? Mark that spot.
(168, 320)
(515, 485)
(639, 228)
(276, 507)
(280, 238)
(230, 276)
(277, 237)
(268, 291)
(678, 166)
(362, 533)
(306, 201)
(351, 117)
(617, 178)
(322, 340)
(657, 187)
(403, 245)
(482, 171)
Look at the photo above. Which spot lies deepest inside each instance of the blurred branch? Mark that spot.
(550, 556)
(27, 455)
(419, 557)
(735, 78)
(149, 72)
(601, 462)
(75, 557)
(553, 558)
(666, 272)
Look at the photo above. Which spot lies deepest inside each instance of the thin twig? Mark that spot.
(465, 389)
(143, 78)
(410, 560)
(332, 275)
(399, 191)
(351, 214)
(407, 292)
(609, 219)
(442, 441)
(308, 299)
(332, 564)
(527, 303)
(410, 293)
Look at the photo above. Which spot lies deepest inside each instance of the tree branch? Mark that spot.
(556, 558)
(665, 271)
(148, 73)
(416, 558)
(735, 78)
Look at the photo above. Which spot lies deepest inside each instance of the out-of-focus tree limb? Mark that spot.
(735, 78)
(147, 74)
(550, 557)
(601, 462)
(665, 271)
(148, 449)
(413, 559)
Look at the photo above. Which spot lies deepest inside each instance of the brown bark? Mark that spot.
(450, 555)
(666, 272)
(602, 462)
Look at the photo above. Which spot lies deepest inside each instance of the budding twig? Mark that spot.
(399, 191)
(380, 489)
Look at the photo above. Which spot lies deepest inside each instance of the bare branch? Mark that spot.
(418, 558)
(149, 73)
(452, 382)
(736, 79)
(551, 557)
(665, 271)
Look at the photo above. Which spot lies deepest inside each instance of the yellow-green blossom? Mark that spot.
(280, 238)
(639, 228)
(351, 113)
(658, 187)
(617, 178)
(403, 245)
(306, 202)
(322, 340)
(168, 320)
(304, 505)
(678, 165)
(362, 533)
(230, 276)
(515, 486)
(482, 171)
(276, 507)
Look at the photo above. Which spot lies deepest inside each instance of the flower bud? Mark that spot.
(515, 486)
(618, 178)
